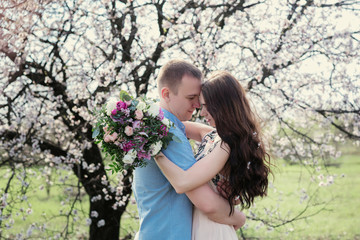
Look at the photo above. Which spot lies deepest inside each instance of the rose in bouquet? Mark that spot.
(131, 131)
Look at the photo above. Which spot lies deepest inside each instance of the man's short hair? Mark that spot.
(172, 72)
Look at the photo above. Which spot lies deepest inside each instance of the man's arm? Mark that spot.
(215, 207)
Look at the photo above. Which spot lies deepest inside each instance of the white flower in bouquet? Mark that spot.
(166, 122)
(141, 106)
(154, 110)
(110, 105)
(155, 148)
(130, 156)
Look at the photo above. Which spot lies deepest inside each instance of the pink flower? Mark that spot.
(139, 114)
(121, 105)
(111, 137)
(114, 112)
(136, 125)
(129, 131)
(107, 138)
(118, 142)
(126, 111)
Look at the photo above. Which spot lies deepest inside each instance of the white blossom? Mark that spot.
(94, 214)
(100, 223)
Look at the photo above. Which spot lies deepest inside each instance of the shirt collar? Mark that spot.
(174, 119)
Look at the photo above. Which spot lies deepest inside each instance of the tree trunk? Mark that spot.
(105, 220)
(111, 217)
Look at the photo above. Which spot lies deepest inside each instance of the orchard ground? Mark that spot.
(338, 219)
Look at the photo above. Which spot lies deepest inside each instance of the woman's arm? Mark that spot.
(215, 207)
(196, 131)
(199, 173)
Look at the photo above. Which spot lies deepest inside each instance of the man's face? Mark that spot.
(183, 104)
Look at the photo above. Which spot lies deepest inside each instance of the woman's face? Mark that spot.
(204, 112)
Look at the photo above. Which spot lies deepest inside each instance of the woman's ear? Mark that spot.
(165, 94)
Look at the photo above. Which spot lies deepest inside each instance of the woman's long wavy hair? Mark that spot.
(248, 166)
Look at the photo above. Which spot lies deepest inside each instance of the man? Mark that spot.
(164, 214)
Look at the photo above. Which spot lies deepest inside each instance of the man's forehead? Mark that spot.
(191, 90)
(190, 86)
(194, 91)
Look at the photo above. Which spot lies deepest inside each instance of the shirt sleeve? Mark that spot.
(180, 153)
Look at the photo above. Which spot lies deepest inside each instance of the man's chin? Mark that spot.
(189, 117)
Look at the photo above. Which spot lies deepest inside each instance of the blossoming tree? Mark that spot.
(61, 58)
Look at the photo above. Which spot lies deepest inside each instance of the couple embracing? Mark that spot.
(181, 196)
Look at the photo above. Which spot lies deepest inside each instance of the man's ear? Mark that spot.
(165, 94)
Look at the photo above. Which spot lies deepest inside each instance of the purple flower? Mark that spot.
(127, 146)
(126, 111)
(119, 119)
(163, 131)
(161, 115)
(136, 125)
(121, 105)
(140, 142)
(143, 154)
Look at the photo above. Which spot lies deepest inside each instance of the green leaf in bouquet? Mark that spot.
(96, 132)
(114, 167)
(135, 102)
(132, 107)
(124, 96)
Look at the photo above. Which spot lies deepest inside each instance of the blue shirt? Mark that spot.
(164, 214)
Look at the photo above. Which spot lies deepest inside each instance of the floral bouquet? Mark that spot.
(131, 131)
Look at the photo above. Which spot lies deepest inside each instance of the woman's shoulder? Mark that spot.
(209, 136)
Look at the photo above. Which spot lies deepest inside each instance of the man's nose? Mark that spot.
(196, 104)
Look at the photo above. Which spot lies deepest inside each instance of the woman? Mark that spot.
(231, 153)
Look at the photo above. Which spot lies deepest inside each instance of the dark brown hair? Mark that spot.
(171, 73)
(248, 166)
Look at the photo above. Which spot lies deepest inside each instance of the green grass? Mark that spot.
(43, 207)
(339, 202)
(339, 219)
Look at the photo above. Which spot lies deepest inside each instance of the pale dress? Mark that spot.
(203, 228)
